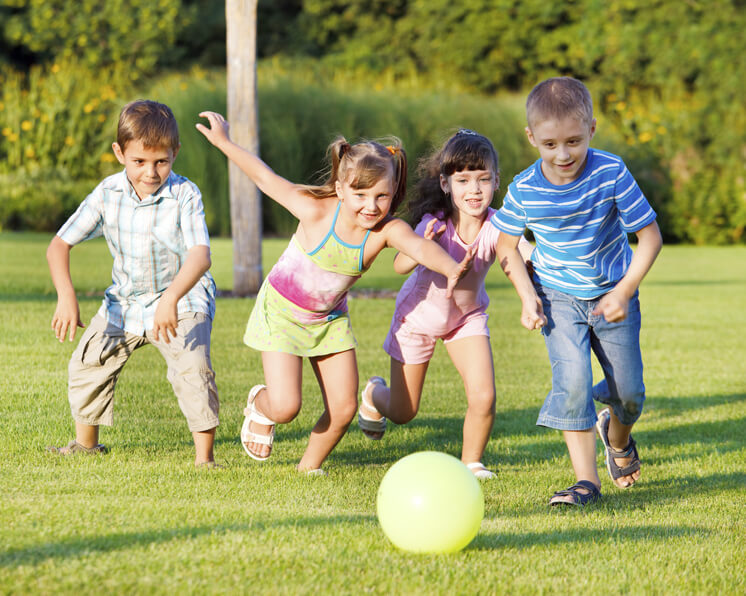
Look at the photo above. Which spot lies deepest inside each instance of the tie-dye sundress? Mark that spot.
(301, 307)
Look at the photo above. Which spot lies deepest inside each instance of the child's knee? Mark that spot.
(481, 402)
(403, 416)
(631, 407)
(283, 413)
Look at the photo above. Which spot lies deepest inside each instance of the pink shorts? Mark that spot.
(408, 344)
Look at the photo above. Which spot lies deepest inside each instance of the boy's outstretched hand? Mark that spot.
(532, 315)
(165, 320)
(613, 307)
(218, 131)
(460, 271)
(66, 316)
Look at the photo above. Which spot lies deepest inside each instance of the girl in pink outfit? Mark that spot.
(452, 207)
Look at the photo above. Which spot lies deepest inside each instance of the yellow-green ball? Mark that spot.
(430, 502)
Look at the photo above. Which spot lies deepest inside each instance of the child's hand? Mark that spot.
(218, 131)
(460, 271)
(532, 315)
(166, 319)
(66, 316)
(430, 232)
(613, 306)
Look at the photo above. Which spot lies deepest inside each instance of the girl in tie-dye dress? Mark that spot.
(301, 309)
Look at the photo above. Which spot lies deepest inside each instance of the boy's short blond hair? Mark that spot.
(151, 122)
(558, 98)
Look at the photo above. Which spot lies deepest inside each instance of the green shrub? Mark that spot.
(40, 200)
(57, 124)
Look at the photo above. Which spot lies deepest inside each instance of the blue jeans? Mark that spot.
(571, 334)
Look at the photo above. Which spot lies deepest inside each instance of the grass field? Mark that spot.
(142, 520)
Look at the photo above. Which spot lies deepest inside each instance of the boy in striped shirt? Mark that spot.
(580, 203)
(161, 293)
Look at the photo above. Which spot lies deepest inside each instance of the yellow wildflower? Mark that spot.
(661, 130)
(26, 125)
(55, 68)
(183, 86)
(69, 141)
(87, 108)
(30, 153)
(621, 106)
(645, 137)
(107, 157)
(6, 131)
(13, 137)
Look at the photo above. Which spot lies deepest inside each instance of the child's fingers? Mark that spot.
(429, 229)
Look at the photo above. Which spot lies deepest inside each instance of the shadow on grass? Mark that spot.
(580, 536)
(517, 426)
(677, 405)
(444, 434)
(82, 546)
(645, 493)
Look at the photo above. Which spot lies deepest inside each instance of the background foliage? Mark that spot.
(666, 77)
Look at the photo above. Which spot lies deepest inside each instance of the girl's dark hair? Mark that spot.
(362, 165)
(466, 150)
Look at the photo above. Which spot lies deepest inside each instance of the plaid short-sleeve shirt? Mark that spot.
(149, 240)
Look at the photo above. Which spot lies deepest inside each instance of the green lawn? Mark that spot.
(142, 520)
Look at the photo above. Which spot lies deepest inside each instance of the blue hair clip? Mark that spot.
(466, 131)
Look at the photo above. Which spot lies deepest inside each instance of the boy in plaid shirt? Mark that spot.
(161, 293)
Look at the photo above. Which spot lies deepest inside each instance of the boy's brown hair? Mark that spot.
(558, 98)
(151, 122)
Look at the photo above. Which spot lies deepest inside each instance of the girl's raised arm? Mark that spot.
(427, 252)
(286, 193)
(404, 264)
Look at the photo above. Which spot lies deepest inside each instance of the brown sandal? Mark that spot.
(73, 448)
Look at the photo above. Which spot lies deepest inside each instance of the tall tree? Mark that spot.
(245, 200)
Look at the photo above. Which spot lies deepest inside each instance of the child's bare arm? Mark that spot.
(166, 317)
(426, 252)
(286, 193)
(404, 264)
(512, 262)
(67, 314)
(614, 306)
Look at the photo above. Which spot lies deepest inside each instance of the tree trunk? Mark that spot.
(245, 200)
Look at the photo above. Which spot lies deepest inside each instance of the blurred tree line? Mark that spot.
(667, 75)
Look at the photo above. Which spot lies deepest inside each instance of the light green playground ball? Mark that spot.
(430, 502)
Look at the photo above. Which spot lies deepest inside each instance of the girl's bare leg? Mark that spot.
(338, 379)
(281, 400)
(401, 400)
(472, 357)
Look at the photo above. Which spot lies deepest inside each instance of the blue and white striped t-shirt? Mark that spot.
(149, 240)
(580, 228)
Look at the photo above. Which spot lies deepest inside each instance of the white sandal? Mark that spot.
(371, 426)
(253, 415)
(480, 470)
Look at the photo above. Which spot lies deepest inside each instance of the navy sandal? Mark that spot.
(578, 498)
(616, 472)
